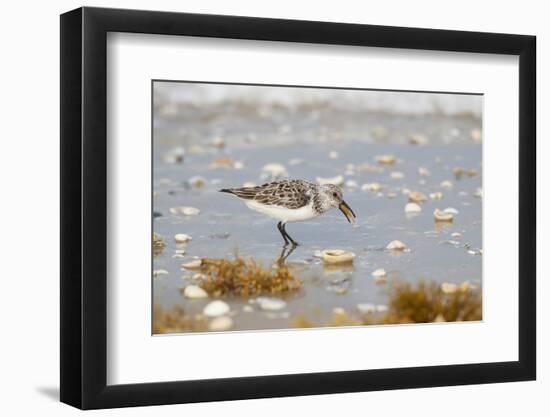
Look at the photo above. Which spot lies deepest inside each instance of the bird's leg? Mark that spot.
(282, 230)
(288, 236)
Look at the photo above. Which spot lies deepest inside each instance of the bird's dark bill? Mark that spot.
(348, 212)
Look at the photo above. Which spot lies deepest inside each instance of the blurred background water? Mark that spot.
(211, 136)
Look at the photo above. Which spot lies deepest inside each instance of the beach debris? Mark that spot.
(158, 272)
(337, 256)
(185, 210)
(270, 303)
(158, 244)
(175, 156)
(397, 175)
(373, 186)
(337, 180)
(179, 253)
(456, 234)
(379, 273)
(352, 185)
(225, 163)
(441, 216)
(194, 264)
(396, 245)
(418, 139)
(333, 155)
(451, 210)
(475, 134)
(386, 159)
(194, 292)
(275, 170)
(417, 197)
(197, 182)
(460, 172)
(216, 308)
(446, 184)
(412, 208)
(182, 238)
(438, 195)
(423, 172)
(220, 324)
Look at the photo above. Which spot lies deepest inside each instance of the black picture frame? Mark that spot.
(84, 207)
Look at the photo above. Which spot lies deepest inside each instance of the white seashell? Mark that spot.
(446, 184)
(194, 264)
(456, 234)
(182, 238)
(220, 324)
(337, 256)
(412, 208)
(158, 272)
(275, 170)
(417, 197)
(216, 308)
(374, 187)
(270, 304)
(436, 196)
(441, 216)
(423, 172)
(337, 180)
(352, 185)
(186, 211)
(366, 308)
(396, 245)
(333, 155)
(449, 288)
(379, 273)
(386, 159)
(397, 175)
(451, 210)
(418, 139)
(194, 292)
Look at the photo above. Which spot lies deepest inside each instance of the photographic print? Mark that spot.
(291, 207)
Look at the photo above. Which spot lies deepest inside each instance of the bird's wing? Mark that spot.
(291, 194)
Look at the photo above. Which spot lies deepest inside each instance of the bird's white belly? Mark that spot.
(282, 213)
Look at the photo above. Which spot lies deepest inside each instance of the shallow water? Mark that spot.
(225, 226)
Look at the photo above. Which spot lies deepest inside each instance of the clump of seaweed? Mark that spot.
(245, 277)
(175, 321)
(158, 245)
(427, 303)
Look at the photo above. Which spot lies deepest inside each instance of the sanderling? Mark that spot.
(292, 201)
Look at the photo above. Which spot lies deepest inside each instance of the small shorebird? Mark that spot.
(292, 201)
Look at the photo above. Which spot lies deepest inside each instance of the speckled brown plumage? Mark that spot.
(291, 194)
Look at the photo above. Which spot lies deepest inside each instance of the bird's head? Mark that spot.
(333, 198)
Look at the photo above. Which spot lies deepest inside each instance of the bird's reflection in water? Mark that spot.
(285, 253)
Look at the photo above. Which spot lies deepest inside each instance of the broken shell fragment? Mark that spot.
(418, 139)
(270, 304)
(337, 256)
(441, 216)
(451, 210)
(436, 196)
(194, 264)
(423, 172)
(446, 184)
(396, 245)
(275, 170)
(186, 211)
(374, 187)
(220, 324)
(158, 272)
(194, 292)
(386, 159)
(337, 180)
(417, 197)
(412, 208)
(379, 273)
(216, 308)
(182, 238)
